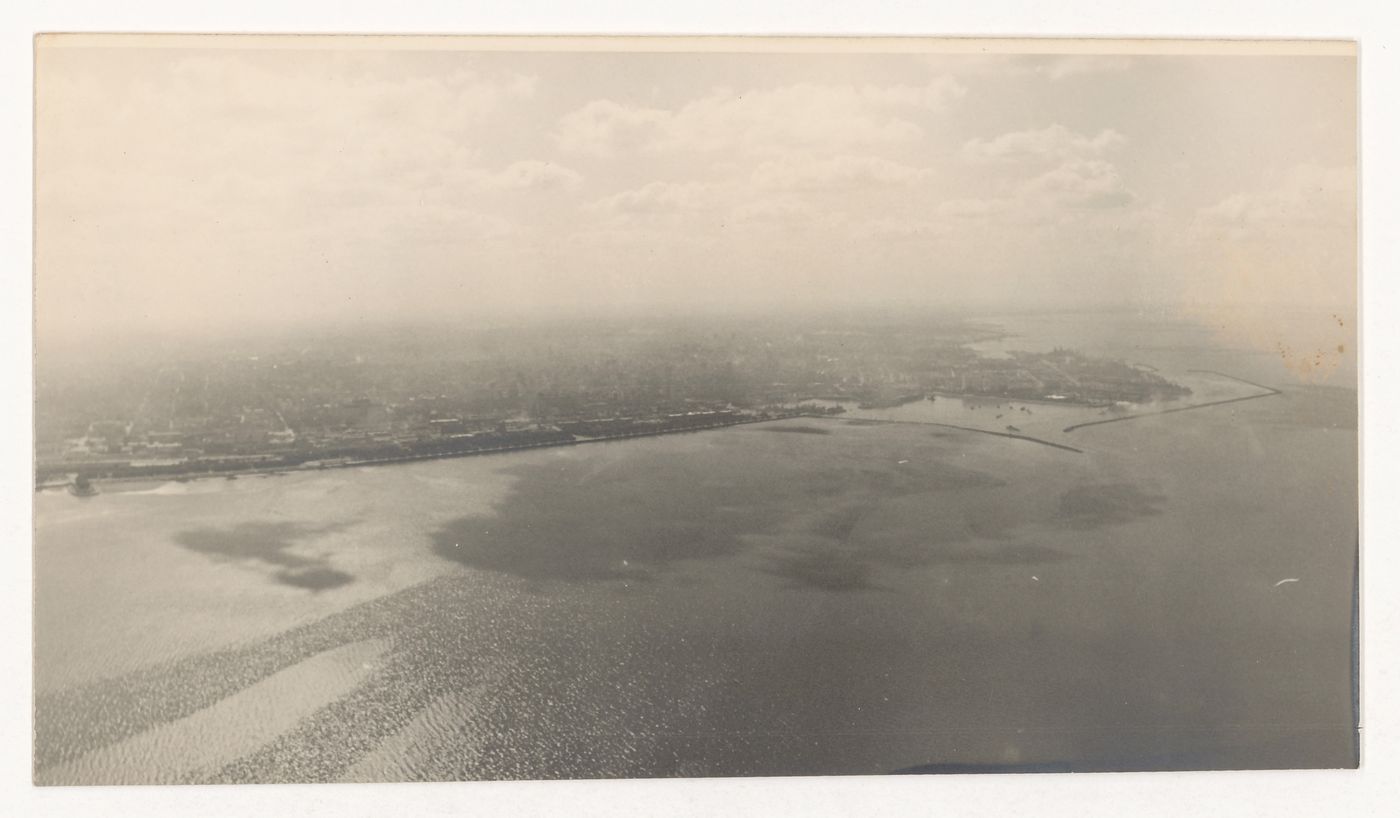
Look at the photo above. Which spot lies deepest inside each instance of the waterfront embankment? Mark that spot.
(1268, 392)
(408, 457)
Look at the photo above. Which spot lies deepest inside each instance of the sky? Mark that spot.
(180, 189)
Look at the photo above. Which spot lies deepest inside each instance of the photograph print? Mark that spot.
(449, 409)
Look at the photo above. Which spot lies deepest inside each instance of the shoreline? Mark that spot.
(965, 397)
(233, 474)
(988, 399)
(1268, 393)
(156, 480)
(1012, 435)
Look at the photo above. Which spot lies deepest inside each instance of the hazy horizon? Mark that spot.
(182, 190)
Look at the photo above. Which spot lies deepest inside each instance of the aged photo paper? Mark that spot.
(425, 408)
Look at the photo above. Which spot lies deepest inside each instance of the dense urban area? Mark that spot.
(351, 398)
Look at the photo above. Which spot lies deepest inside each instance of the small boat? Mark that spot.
(82, 487)
(1012, 429)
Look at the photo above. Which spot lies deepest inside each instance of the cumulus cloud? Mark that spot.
(1079, 183)
(602, 127)
(834, 172)
(660, 197)
(971, 208)
(1067, 193)
(217, 125)
(1305, 196)
(786, 188)
(1050, 175)
(768, 121)
(1291, 239)
(532, 174)
(898, 229)
(775, 208)
(262, 180)
(1049, 143)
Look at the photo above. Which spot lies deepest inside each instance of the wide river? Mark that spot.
(811, 596)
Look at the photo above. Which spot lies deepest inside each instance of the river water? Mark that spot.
(812, 596)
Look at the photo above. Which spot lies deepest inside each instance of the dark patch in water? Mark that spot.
(270, 544)
(999, 555)
(831, 566)
(835, 553)
(315, 579)
(859, 422)
(839, 525)
(801, 430)
(575, 521)
(826, 567)
(561, 523)
(1107, 504)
